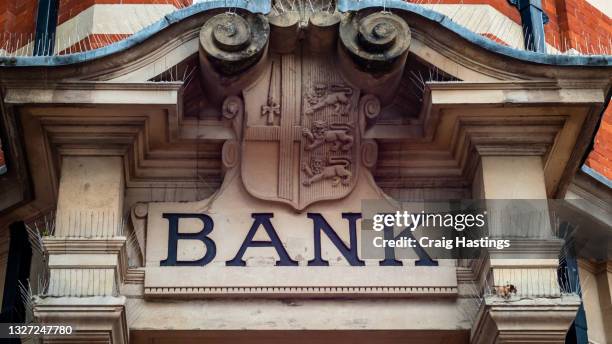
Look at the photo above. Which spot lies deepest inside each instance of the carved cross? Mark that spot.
(270, 110)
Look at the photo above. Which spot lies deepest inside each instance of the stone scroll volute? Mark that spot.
(232, 52)
(373, 50)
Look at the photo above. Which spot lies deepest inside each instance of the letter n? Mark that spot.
(174, 236)
(262, 219)
(349, 253)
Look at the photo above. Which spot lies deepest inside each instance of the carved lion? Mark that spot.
(337, 169)
(336, 96)
(337, 133)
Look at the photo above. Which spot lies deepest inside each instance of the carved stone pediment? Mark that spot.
(296, 112)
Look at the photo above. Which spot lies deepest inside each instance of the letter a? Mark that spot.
(262, 219)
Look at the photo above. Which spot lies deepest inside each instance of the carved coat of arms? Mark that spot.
(301, 137)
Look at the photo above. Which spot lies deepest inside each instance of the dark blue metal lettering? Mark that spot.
(349, 253)
(262, 219)
(174, 236)
(390, 251)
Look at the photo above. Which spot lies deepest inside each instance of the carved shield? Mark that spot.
(301, 135)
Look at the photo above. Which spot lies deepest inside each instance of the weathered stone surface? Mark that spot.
(377, 42)
(234, 42)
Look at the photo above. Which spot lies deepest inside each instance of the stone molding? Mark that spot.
(541, 320)
(301, 292)
(595, 267)
(134, 276)
(114, 248)
(94, 319)
(302, 282)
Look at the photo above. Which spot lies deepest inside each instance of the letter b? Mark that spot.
(174, 236)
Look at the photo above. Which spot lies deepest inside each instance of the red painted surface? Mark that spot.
(92, 42)
(494, 38)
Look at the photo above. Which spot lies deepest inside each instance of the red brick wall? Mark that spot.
(17, 22)
(502, 6)
(579, 25)
(70, 8)
(572, 23)
(600, 158)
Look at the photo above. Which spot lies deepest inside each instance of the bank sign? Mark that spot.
(263, 222)
(312, 254)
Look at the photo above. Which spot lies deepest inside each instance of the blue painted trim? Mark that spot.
(530, 56)
(599, 177)
(254, 6)
(264, 7)
(532, 20)
(46, 25)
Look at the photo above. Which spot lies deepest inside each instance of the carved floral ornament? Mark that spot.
(297, 117)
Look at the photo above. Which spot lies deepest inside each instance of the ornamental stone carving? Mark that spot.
(376, 42)
(301, 141)
(334, 168)
(337, 96)
(338, 134)
(373, 52)
(233, 42)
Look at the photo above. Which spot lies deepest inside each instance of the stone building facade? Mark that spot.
(183, 172)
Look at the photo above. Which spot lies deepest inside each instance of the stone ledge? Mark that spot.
(79, 248)
(69, 245)
(528, 320)
(94, 319)
(332, 281)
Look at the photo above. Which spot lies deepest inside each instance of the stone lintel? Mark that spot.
(87, 92)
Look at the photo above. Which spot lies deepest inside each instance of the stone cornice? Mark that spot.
(89, 85)
(442, 150)
(490, 118)
(528, 320)
(331, 281)
(134, 276)
(300, 292)
(114, 246)
(58, 245)
(93, 318)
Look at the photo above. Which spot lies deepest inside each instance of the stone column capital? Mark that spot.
(94, 319)
(526, 320)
